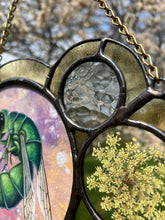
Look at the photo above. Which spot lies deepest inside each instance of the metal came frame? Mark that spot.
(121, 115)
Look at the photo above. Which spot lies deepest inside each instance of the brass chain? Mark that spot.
(8, 24)
(130, 38)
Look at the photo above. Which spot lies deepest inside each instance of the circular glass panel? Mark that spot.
(124, 173)
(91, 93)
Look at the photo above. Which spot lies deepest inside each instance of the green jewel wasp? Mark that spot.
(20, 137)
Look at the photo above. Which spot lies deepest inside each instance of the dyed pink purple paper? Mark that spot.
(56, 149)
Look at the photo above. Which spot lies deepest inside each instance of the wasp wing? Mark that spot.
(29, 196)
(43, 193)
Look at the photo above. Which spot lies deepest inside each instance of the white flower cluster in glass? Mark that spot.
(132, 180)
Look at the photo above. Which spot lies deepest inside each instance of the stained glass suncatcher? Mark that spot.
(97, 86)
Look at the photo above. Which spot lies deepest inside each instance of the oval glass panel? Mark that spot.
(56, 151)
(124, 172)
(91, 93)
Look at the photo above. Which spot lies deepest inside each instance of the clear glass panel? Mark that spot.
(130, 68)
(80, 137)
(91, 93)
(75, 53)
(29, 69)
(152, 113)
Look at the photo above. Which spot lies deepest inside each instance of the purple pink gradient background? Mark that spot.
(56, 150)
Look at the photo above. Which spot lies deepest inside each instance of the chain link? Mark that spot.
(130, 38)
(8, 24)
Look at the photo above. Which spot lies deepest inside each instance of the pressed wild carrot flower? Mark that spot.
(132, 180)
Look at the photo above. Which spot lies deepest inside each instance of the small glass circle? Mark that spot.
(91, 93)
